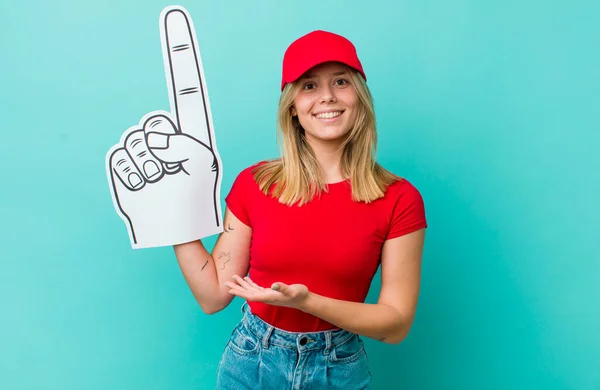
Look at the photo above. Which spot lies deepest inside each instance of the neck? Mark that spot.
(329, 157)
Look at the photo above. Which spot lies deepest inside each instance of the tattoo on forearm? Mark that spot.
(382, 339)
(204, 265)
(228, 228)
(224, 256)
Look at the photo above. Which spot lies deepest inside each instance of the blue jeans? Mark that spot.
(260, 356)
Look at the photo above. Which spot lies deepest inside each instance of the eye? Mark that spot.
(308, 86)
(341, 82)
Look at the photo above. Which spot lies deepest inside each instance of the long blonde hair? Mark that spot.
(297, 176)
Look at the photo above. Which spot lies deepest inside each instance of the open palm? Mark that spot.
(279, 294)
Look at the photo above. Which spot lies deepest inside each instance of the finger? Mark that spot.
(243, 283)
(146, 162)
(281, 287)
(251, 282)
(179, 148)
(237, 291)
(123, 167)
(242, 293)
(235, 285)
(162, 124)
(184, 76)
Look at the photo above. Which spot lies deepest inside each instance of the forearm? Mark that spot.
(378, 321)
(198, 268)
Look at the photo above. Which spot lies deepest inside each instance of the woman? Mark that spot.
(312, 228)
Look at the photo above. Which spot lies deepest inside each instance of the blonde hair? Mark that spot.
(297, 176)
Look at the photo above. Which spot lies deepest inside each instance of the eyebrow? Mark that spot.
(312, 75)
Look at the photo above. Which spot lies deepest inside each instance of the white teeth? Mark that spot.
(328, 115)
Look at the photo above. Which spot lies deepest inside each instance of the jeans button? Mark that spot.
(303, 341)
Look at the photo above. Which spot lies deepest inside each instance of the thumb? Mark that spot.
(178, 148)
(281, 287)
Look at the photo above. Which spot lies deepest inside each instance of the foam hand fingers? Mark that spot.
(146, 163)
(163, 125)
(126, 171)
(181, 148)
(189, 103)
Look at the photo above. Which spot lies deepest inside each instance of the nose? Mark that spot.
(327, 94)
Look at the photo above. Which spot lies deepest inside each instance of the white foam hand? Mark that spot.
(165, 173)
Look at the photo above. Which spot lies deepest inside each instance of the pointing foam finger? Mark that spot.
(184, 75)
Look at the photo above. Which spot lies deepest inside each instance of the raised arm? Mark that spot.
(206, 273)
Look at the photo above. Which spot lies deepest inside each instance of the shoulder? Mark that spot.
(405, 207)
(250, 170)
(402, 188)
(248, 173)
(403, 197)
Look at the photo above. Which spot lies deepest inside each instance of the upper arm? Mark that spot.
(231, 252)
(401, 273)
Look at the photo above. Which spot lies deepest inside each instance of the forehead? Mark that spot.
(325, 70)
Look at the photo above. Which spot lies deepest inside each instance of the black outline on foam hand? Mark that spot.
(135, 159)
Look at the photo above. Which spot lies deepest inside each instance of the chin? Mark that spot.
(327, 137)
(328, 133)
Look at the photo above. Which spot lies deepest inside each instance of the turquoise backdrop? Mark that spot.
(490, 108)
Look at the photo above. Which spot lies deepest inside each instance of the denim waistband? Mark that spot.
(270, 335)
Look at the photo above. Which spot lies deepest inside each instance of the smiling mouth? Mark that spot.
(328, 115)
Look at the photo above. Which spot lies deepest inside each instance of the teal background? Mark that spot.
(489, 107)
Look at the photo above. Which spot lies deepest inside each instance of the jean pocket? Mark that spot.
(349, 351)
(243, 342)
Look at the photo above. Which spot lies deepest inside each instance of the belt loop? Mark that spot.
(243, 306)
(266, 336)
(328, 344)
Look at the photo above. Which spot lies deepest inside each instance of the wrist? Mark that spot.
(308, 303)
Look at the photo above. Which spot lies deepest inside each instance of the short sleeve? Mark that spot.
(237, 199)
(409, 212)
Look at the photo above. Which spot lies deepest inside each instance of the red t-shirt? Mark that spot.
(331, 244)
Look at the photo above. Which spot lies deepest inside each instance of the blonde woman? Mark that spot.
(310, 230)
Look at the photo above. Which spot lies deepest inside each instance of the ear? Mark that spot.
(293, 111)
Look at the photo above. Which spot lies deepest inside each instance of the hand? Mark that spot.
(280, 294)
(164, 175)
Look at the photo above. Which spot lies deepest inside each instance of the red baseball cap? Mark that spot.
(316, 48)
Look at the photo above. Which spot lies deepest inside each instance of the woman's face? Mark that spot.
(326, 104)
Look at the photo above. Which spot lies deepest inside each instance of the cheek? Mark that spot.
(304, 120)
(353, 115)
(303, 109)
(302, 106)
(350, 98)
(353, 104)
